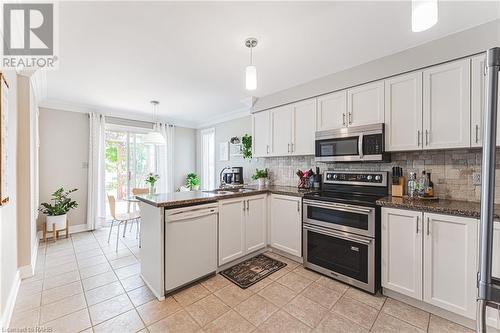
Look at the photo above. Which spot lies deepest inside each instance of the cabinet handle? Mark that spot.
(267, 148)
(288, 147)
(418, 138)
(477, 133)
(291, 146)
(417, 223)
(350, 118)
(343, 119)
(428, 232)
(298, 206)
(248, 205)
(426, 137)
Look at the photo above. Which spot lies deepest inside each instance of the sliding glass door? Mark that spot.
(128, 161)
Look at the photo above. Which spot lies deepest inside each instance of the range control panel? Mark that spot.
(376, 178)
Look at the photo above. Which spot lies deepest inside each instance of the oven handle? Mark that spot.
(360, 145)
(341, 207)
(337, 234)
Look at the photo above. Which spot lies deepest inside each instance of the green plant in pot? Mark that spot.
(260, 176)
(57, 211)
(193, 181)
(151, 179)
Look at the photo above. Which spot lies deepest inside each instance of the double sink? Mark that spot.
(227, 191)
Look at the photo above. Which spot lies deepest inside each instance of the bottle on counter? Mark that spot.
(412, 185)
(423, 184)
(429, 190)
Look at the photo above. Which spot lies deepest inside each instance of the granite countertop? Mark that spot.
(440, 206)
(179, 199)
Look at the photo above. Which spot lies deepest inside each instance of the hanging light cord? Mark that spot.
(251, 54)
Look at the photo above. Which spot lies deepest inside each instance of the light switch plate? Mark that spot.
(476, 178)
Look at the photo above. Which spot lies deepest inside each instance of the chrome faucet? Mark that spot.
(222, 183)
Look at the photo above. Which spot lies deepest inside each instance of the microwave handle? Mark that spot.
(360, 145)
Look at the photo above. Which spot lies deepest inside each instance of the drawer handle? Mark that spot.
(418, 138)
(417, 224)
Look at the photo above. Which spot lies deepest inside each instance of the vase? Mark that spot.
(195, 188)
(152, 189)
(262, 182)
(58, 220)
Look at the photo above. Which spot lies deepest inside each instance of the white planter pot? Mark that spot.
(59, 220)
(195, 188)
(262, 181)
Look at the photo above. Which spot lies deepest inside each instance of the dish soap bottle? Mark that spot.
(423, 184)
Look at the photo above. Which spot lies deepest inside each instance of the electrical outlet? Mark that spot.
(476, 178)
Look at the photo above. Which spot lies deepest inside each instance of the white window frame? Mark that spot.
(207, 138)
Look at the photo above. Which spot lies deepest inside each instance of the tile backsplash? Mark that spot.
(451, 170)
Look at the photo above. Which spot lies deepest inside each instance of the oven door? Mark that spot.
(343, 217)
(339, 149)
(343, 256)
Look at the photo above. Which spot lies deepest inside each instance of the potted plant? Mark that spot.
(151, 179)
(246, 146)
(192, 181)
(260, 176)
(57, 211)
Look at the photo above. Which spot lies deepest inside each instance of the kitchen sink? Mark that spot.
(226, 191)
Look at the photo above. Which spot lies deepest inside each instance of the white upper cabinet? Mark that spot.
(403, 112)
(261, 131)
(446, 105)
(332, 111)
(304, 125)
(450, 251)
(478, 102)
(281, 130)
(402, 251)
(365, 104)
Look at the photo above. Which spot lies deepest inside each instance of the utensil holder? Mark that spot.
(398, 190)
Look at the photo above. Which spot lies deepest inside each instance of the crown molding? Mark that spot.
(61, 105)
(240, 113)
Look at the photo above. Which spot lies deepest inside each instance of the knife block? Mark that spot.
(398, 190)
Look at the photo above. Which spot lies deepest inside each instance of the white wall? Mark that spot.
(184, 154)
(461, 44)
(64, 142)
(8, 231)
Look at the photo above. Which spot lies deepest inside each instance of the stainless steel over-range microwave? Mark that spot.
(352, 144)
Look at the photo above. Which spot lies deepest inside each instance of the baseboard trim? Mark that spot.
(73, 229)
(11, 301)
(28, 271)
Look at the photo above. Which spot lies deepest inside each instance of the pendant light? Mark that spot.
(251, 70)
(424, 14)
(154, 137)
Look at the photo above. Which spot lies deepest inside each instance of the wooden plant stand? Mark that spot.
(55, 233)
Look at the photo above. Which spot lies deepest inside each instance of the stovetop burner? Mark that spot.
(360, 187)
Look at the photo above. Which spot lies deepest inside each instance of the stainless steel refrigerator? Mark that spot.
(488, 286)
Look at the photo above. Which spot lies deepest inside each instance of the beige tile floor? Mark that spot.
(83, 285)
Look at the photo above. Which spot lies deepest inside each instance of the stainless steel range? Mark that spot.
(341, 227)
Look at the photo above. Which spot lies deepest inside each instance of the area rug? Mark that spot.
(252, 270)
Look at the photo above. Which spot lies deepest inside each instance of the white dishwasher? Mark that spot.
(190, 244)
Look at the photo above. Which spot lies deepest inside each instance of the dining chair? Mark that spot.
(119, 218)
(138, 191)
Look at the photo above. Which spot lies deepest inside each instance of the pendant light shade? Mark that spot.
(251, 77)
(424, 14)
(251, 70)
(154, 137)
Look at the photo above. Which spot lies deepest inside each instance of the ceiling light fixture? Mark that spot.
(154, 137)
(424, 14)
(251, 70)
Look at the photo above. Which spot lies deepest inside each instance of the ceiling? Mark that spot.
(117, 56)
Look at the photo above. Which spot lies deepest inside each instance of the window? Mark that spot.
(208, 158)
(128, 161)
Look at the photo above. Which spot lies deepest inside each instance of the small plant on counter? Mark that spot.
(151, 179)
(57, 212)
(246, 146)
(260, 176)
(193, 181)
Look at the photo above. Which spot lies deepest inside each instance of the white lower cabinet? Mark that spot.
(242, 226)
(450, 268)
(402, 251)
(492, 315)
(431, 257)
(286, 224)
